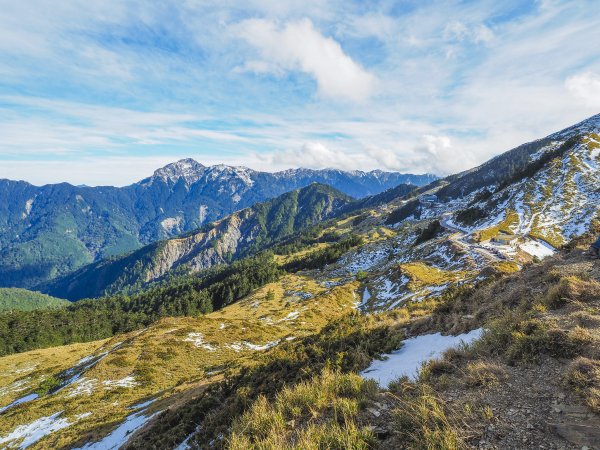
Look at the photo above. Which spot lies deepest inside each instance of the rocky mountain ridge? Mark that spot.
(51, 230)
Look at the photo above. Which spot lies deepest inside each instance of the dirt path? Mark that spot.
(458, 237)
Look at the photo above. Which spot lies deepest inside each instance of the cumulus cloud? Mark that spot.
(299, 46)
(585, 86)
(438, 154)
(434, 154)
(313, 155)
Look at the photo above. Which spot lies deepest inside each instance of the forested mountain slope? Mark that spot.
(51, 230)
(239, 234)
(280, 349)
(24, 300)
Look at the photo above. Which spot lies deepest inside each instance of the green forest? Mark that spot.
(88, 320)
(21, 299)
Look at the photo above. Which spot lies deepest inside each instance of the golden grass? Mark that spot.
(165, 360)
(506, 266)
(511, 219)
(319, 413)
(423, 275)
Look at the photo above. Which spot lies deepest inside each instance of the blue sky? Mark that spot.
(105, 92)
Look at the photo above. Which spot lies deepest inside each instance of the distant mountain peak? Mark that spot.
(188, 169)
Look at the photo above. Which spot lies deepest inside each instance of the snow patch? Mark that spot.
(27, 398)
(268, 345)
(365, 297)
(363, 259)
(537, 248)
(198, 340)
(127, 382)
(244, 345)
(29, 434)
(291, 316)
(415, 351)
(185, 444)
(83, 386)
(121, 434)
(17, 386)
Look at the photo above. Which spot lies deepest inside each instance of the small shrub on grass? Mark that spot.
(48, 385)
(436, 368)
(361, 275)
(483, 374)
(583, 377)
(529, 344)
(572, 289)
(526, 340)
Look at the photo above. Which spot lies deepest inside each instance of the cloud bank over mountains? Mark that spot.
(425, 87)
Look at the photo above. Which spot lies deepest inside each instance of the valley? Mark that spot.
(50, 231)
(273, 346)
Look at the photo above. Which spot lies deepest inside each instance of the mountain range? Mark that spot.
(48, 231)
(217, 243)
(462, 313)
(498, 195)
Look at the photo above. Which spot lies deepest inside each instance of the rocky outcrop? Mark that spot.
(214, 244)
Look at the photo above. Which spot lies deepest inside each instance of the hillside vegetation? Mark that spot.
(458, 315)
(23, 300)
(243, 233)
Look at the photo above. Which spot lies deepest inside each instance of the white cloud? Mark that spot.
(585, 86)
(458, 31)
(508, 86)
(313, 155)
(69, 127)
(299, 46)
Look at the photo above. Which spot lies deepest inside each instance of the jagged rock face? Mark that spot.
(51, 230)
(200, 250)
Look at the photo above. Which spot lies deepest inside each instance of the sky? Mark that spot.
(106, 92)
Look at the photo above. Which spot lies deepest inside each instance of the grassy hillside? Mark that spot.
(532, 379)
(16, 299)
(279, 366)
(276, 350)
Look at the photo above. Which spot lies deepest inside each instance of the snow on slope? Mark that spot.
(414, 352)
(556, 204)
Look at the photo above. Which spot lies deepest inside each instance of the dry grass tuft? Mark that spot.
(571, 289)
(319, 413)
(422, 420)
(583, 376)
(483, 374)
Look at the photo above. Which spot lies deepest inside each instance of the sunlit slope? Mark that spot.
(169, 361)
